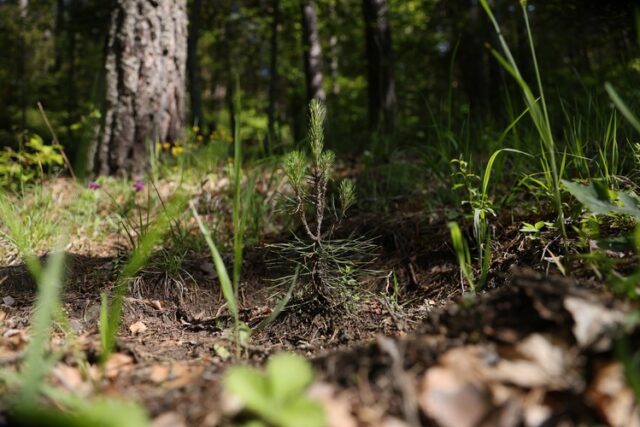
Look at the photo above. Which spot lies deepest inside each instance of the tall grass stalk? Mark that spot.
(241, 203)
(238, 217)
(537, 107)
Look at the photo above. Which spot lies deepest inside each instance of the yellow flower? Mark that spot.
(195, 128)
(199, 138)
(166, 146)
(176, 150)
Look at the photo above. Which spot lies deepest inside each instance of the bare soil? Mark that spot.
(533, 348)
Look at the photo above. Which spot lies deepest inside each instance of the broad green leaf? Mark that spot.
(97, 413)
(250, 386)
(288, 376)
(302, 412)
(594, 201)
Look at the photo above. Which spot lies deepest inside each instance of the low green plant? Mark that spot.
(534, 231)
(600, 199)
(477, 195)
(31, 162)
(463, 255)
(328, 265)
(276, 397)
(28, 220)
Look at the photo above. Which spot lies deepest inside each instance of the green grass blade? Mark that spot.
(50, 285)
(223, 275)
(622, 106)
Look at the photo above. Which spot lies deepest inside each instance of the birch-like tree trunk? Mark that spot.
(145, 83)
(312, 51)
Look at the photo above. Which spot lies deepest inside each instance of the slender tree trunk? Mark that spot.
(379, 51)
(312, 51)
(273, 77)
(59, 31)
(474, 63)
(193, 63)
(72, 98)
(145, 83)
(334, 65)
(231, 28)
(23, 76)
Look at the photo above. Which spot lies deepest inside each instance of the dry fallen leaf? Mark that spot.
(337, 411)
(594, 325)
(613, 397)
(71, 379)
(183, 374)
(138, 328)
(452, 400)
(169, 419)
(117, 363)
(543, 363)
(159, 373)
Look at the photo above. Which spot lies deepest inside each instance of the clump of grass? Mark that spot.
(537, 108)
(327, 265)
(482, 209)
(111, 311)
(23, 392)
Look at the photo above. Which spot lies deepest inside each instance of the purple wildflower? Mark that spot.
(93, 185)
(138, 185)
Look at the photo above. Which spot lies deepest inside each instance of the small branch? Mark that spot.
(56, 141)
(303, 216)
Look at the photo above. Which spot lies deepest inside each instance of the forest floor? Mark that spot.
(532, 348)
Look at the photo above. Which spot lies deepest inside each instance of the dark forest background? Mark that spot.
(53, 52)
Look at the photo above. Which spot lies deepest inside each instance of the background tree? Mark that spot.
(442, 71)
(273, 75)
(193, 61)
(312, 51)
(379, 52)
(145, 83)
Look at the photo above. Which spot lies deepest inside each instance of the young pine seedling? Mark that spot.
(329, 265)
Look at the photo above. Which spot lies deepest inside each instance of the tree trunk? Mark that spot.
(193, 63)
(59, 32)
(312, 51)
(23, 75)
(379, 51)
(333, 49)
(273, 77)
(145, 83)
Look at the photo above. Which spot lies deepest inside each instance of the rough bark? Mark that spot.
(145, 83)
(193, 62)
(379, 51)
(312, 51)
